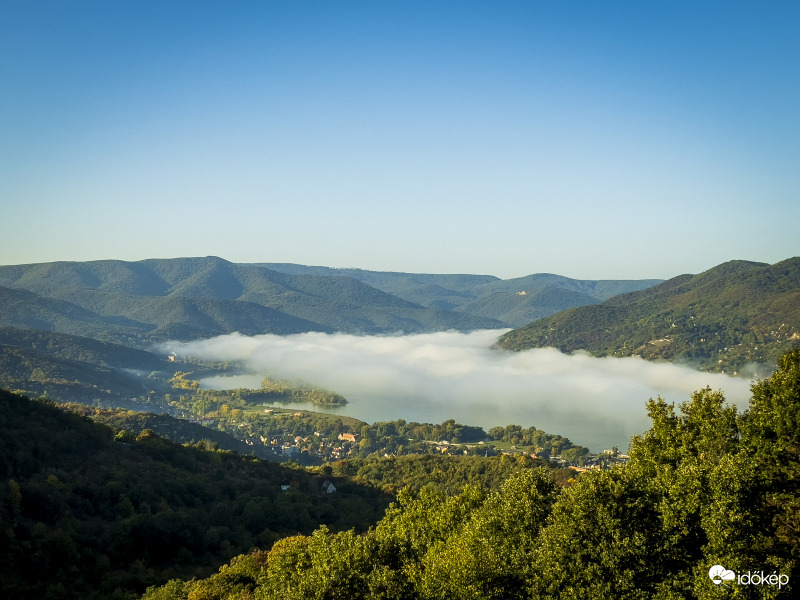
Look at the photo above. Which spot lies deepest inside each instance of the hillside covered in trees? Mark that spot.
(92, 512)
(737, 316)
(104, 509)
(516, 301)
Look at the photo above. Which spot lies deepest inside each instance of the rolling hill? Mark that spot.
(188, 298)
(516, 301)
(735, 316)
(73, 368)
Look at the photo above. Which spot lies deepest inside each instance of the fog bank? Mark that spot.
(596, 402)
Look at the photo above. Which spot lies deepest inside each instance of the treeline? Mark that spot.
(272, 390)
(705, 486)
(317, 435)
(129, 424)
(538, 440)
(445, 473)
(282, 390)
(237, 413)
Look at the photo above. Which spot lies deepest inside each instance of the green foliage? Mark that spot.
(771, 437)
(80, 504)
(71, 368)
(235, 581)
(600, 541)
(446, 473)
(543, 443)
(492, 554)
(181, 381)
(128, 424)
(285, 391)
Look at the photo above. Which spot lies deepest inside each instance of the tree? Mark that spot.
(601, 541)
(771, 439)
(492, 554)
(681, 455)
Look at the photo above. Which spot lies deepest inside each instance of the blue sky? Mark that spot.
(594, 140)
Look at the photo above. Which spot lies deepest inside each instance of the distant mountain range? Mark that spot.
(189, 298)
(514, 302)
(735, 316)
(726, 318)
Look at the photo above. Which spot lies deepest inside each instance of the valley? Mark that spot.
(277, 404)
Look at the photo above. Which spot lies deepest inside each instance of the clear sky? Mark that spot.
(590, 139)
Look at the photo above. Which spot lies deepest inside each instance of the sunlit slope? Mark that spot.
(721, 320)
(186, 298)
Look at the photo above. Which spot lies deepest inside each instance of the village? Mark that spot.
(327, 445)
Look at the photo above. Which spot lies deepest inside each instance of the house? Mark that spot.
(289, 450)
(328, 487)
(348, 437)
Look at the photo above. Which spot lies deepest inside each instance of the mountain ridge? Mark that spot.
(484, 295)
(190, 297)
(723, 319)
(187, 298)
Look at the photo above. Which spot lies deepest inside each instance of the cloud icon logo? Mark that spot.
(718, 574)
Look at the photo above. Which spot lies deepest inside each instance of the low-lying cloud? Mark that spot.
(597, 402)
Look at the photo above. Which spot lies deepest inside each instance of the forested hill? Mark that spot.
(87, 514)
(187, 298)
(516, 301)
(728, 318)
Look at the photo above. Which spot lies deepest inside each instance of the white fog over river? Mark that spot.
(595, 402)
